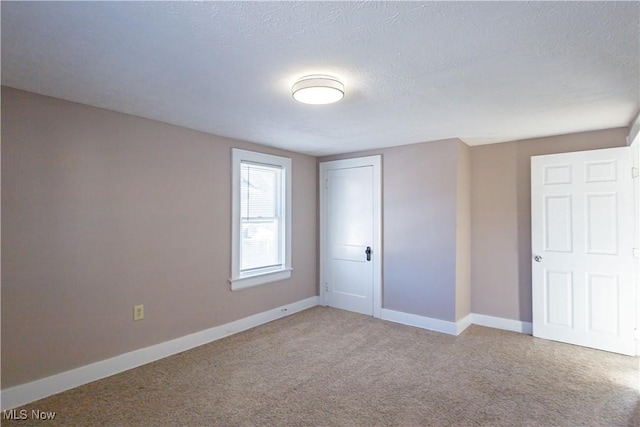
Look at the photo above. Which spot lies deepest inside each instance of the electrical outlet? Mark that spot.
(138, 312)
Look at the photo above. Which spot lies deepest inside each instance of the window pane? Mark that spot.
(260, 223)
(259, 244)
(259, 189)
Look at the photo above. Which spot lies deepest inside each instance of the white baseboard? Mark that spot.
(39, 389)
(502, 323)
(456, 328)
(464, 323)
(451, 328)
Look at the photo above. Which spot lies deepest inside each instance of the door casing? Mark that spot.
(635, 150)
(376, 163)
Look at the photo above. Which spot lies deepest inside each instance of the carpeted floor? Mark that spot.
(330, 367)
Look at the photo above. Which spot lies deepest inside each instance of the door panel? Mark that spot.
(558, 230)
(604, 171)
(582, 240)
(603, 293)
(602, 224)
(557, 174)
(559, 298)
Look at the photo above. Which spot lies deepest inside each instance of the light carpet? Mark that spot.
(327, 367)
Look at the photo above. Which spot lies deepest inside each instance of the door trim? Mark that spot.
(376, 163)
(635, 151)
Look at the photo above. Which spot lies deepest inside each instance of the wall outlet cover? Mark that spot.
(138, 312)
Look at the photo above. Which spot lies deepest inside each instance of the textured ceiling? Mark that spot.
(483, 72)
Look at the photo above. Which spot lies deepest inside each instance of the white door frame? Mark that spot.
(376, 163)
(635, 150)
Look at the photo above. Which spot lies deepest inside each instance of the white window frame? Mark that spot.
(239, 280)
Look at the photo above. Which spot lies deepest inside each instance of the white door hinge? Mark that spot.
(636, 253)
(326, 287)
(634, 172)
(637, 333)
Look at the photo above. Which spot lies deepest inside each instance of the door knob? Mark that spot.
(368, 252)
(537, 258)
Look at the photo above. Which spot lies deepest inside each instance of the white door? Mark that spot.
(350, 229)
(582, 244)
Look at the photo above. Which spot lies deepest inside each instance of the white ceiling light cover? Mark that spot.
(318, 89)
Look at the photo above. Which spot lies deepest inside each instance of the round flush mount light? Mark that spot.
(318, 89)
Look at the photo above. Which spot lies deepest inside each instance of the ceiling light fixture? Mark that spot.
(318, 89)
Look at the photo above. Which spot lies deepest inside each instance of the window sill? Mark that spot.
(259, 279)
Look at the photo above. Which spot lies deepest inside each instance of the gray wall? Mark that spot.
(102, 211)
(501, 218)
(420, 190)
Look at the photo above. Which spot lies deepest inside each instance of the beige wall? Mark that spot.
(501, 218)
(463, 232)
(102, 211)
(420, 188)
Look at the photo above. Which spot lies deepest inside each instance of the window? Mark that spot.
(261, 219)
